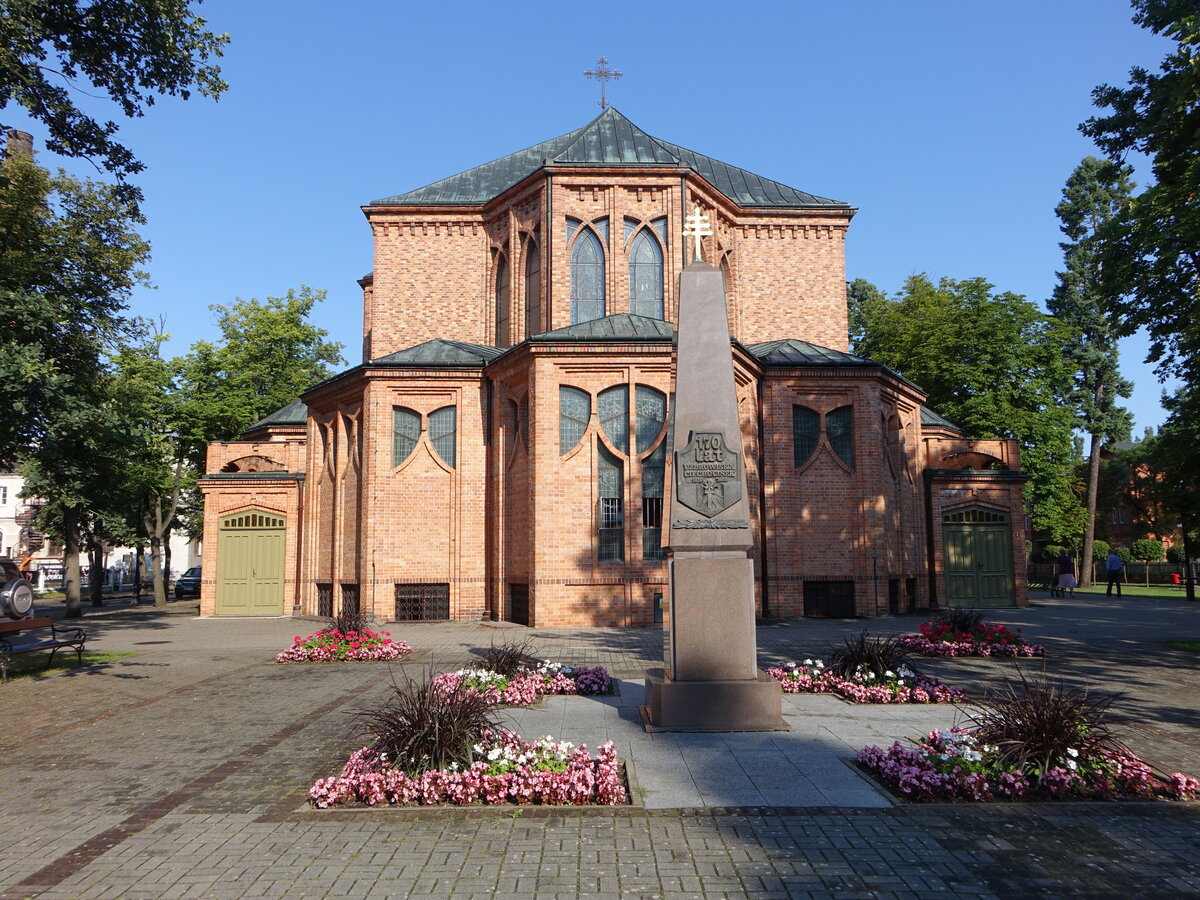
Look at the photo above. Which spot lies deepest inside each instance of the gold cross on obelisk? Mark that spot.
(696, 226)
(602, 73)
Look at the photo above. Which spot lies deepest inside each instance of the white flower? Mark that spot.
(808, 662)
(1072, 765)
(1072, 752)
(494, 754)
(889, 674)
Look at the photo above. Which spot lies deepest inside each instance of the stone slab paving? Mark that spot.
(181, 772)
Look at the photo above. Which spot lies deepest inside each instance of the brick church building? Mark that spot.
(500, 453)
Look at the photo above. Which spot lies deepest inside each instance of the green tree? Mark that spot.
(1172, 454)
(992, 363)
(1153, 253)
(864, 302)
(130, 51)
(1146, 551)
(269, 353)
(1096, 194)
(70, 254)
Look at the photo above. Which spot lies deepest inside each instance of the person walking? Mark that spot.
(1113, 567)
(1066, 574)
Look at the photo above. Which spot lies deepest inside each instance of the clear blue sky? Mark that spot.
(950, 125)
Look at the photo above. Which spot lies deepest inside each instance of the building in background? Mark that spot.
(501, 451)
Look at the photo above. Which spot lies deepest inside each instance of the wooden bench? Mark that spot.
(13, 640)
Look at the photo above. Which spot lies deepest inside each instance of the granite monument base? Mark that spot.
(740, 705)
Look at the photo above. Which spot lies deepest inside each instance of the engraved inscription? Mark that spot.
(707, 474)
(710, 523)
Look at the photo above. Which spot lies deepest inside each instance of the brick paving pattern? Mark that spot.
(181, 772)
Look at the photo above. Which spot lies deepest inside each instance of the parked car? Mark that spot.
(188, 584)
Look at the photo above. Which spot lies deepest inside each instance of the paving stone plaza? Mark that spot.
(182, 772)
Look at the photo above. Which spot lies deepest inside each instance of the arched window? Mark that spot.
(533, 289)
(651, 408)
(806, 429)
(443, 425)
(503, 306)
(839, 429)
(646, 276)
(613, 407)
(587, 278)
(574, 412)
(406, 431)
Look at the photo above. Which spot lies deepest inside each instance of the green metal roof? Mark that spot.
(608, 140)
(930, 419)
(440, 354)
(802, 353)
(295, 413)
(617, 327)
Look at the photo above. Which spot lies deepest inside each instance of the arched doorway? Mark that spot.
(977, 549)
(250, 564)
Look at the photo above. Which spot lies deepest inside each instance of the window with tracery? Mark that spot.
(587, 278)
(646, 276)
(406, 431)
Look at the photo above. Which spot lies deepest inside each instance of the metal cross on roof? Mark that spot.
(696, 226)
(602, 73)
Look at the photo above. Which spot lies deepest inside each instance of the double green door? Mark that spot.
(250, 565)
(977, 545)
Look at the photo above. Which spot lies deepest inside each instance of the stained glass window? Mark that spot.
(601, 226)
(611, 483)
(630, 227)
(443, 424)
(806, 428)
(587, 278)
(533, 289)
(651, 413)
(406, 431)
(502, 302)
(572, 227)
(646, 276)
(660, 225)
(653, 474)
(613, 407)
(839, 428)
(574, 412)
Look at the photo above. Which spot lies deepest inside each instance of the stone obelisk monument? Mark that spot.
(710, 679)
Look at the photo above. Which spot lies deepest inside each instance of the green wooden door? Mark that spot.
(977, 546)
(250, 561)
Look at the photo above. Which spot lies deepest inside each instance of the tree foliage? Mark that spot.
(992, 363)
(269, 353)
(1153, 253)
(1096, 195)
(130, 51)
(70, 255)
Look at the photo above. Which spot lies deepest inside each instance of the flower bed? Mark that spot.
(505, 769)
(333, 645)
(942, 638)
(955, 765)
(527, 687)
(900, 686)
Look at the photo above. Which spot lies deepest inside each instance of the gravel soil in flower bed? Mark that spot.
(899, 686)
(946, 637)
(956, 765)
(505, 770)
(353, 645)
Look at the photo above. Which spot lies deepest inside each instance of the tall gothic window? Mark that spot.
(587, 278)
(651, 414)
(443, 427)
(406, 431)
(533, 289)
(646, 276)
(610, 476)
(503, 306)
(574, 411)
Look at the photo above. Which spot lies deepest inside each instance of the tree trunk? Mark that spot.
(1188, 568)
(96, 574)
(160, 590)
(166, 570)
(137, 574)
(1089, 532)
(71, 563)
